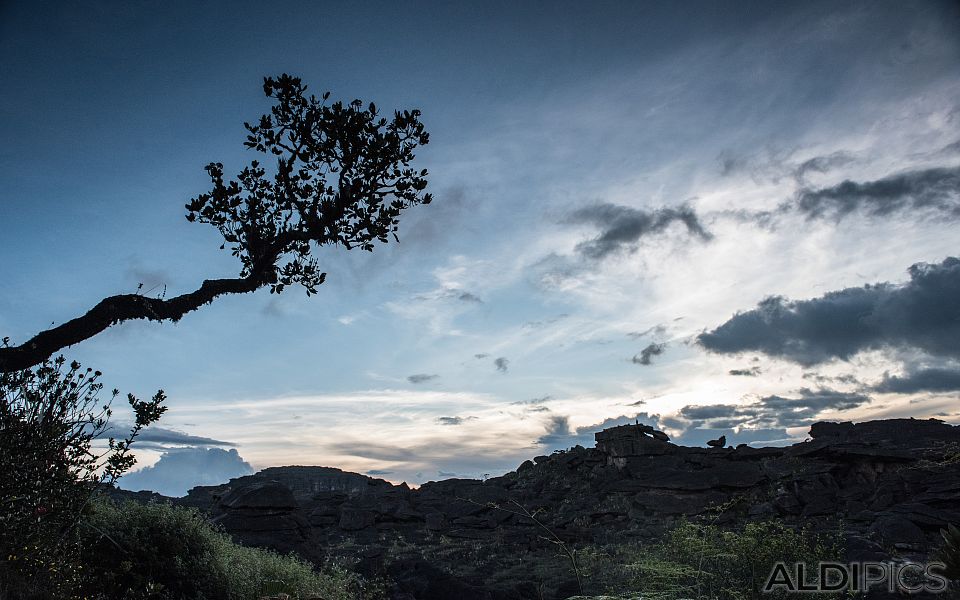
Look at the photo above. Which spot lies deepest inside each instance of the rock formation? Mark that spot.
(893, 483)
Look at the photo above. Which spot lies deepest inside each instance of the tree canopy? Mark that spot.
(342, 177)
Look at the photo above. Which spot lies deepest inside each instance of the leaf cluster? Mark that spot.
(342, 177)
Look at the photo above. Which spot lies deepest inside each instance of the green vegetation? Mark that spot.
(54, 457)
(158, 551)
(700, 561)
(134, 551)
(59, 538)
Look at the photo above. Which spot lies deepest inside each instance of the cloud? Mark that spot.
(468, 297)
(920, 380)
(180, 469)
(534, 401)
(545, 322)
(559, 435)
(953, 148)
(697, 412)
(772, 411)
(481, 355)
(823, 164)
(622, 227)
(751, 372)
(161, 437)
(936, 189)
(646, 355)
(378, 472)
(501, 363)
(449, 293)
(421, 378)
(923, 314)
(453, 420)
(815, 401)
(846, 379)
(558, 431)
(655, 331)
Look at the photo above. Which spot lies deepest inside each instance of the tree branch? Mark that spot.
(117, 309)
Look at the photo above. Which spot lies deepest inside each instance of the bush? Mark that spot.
(51, 417)
(159, 551)
(705, 561)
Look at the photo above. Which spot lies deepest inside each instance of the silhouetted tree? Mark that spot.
(342, 177)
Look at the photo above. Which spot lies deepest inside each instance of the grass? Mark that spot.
(158, 551)
(701, 561)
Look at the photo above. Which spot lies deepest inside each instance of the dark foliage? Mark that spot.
(51, 419)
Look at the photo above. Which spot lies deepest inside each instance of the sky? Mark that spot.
(716, 218)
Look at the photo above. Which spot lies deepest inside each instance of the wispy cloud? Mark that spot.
(928, 191)
(622, 227)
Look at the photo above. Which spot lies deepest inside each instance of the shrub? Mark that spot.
(705, 561)
(159, 551)
(51, 417)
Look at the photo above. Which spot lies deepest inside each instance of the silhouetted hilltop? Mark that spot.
(303, 482)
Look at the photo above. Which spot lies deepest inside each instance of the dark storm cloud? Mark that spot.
(815, 401)
(622, 227)
(501, 363)
(646, 355)
(773, 411)
(697, 412)
(751, 372)
(921, 380)
(923, 313)
(913, 191)
(421, 378)
(160, 436)
(180, 469)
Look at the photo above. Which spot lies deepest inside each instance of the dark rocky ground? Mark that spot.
(891, 485)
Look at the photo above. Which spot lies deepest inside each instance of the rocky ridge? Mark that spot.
(892, 483)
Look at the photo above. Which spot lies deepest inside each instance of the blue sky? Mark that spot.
(609, 178)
